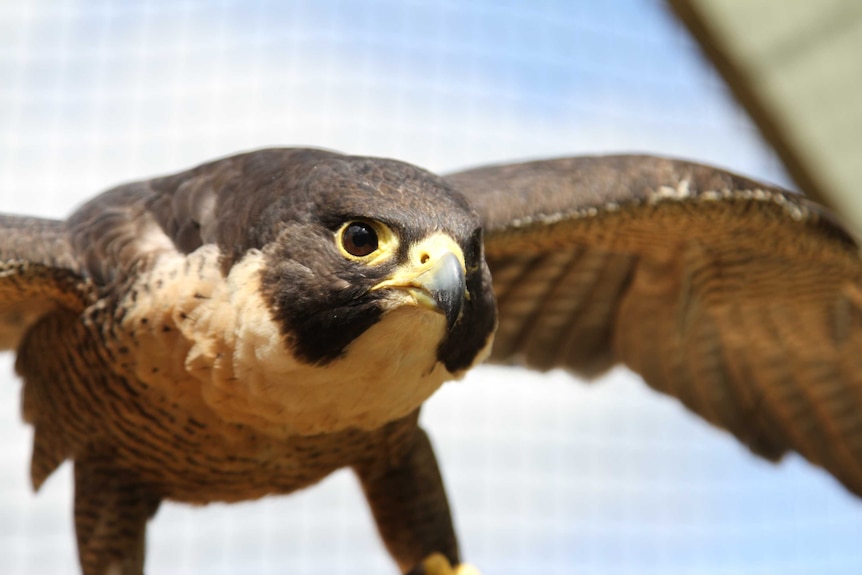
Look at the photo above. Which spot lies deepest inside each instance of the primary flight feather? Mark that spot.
(248, 326)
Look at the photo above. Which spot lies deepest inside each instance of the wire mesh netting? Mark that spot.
(546, 474)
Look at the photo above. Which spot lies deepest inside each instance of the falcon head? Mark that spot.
(351, 240)
(373, 272)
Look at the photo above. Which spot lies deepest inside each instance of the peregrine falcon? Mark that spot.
(246, 327)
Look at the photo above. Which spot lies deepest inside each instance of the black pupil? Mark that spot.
(359, 239)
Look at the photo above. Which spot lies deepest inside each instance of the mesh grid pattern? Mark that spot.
(546, 474)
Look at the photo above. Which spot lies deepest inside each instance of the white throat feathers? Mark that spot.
(210, 342)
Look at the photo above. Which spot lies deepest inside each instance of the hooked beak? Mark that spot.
(434, 277)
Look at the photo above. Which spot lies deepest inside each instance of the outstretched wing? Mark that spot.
(742, 300)
(38, 273)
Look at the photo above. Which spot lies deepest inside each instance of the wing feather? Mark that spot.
(740, 299)
(38, 273)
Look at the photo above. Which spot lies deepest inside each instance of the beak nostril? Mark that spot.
(424, 258)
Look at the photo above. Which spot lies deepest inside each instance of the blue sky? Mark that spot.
(546, 474)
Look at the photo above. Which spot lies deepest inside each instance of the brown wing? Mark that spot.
(742, 300)
(38, 273)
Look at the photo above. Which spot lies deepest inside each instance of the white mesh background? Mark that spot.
(546, 474)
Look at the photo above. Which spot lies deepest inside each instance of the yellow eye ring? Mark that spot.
(366, 241)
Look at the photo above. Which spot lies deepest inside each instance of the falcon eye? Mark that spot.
(366, 241)
(359, 239)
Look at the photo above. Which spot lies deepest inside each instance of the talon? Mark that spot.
(437, 564)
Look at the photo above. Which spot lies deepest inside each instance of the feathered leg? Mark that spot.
(408, 500)
(111, 514)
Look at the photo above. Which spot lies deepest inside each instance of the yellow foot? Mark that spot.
(437, 564)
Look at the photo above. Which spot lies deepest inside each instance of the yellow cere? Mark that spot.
(422, 256)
